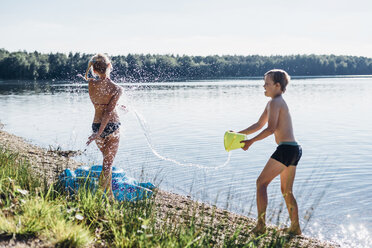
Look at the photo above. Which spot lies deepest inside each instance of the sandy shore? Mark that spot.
(170, 207)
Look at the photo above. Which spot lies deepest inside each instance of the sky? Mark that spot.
(191, 27)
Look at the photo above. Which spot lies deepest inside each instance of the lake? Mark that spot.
(176, 141)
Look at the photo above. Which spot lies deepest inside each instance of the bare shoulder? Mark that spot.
(115, 88)
(276, 103)
(93, 81)
(112, 83)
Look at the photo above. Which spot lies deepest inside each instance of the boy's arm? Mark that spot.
(273, 116)
(258, 125)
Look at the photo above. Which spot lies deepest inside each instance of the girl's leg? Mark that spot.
(109, 147)
(100, 143)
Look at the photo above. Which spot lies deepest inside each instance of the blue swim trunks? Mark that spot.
(288, 153)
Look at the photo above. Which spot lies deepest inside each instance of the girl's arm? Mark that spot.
(109, 109)
(107, 113)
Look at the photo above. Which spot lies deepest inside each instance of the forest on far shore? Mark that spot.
(152, 67)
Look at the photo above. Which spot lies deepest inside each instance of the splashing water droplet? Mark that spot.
(146, 132)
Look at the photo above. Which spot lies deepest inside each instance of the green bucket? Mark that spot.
(231, 140)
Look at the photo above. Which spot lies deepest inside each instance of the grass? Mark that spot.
(30, 209)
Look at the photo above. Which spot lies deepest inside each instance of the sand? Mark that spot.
(170, 207)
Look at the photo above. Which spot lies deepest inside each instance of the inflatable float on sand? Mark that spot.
(124, 188)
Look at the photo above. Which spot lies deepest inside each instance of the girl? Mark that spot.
(104, 95)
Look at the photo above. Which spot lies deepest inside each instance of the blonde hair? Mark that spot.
(279, 76)
(99, 63)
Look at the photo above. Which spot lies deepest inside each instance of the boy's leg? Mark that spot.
(272, 169)
(286, 179)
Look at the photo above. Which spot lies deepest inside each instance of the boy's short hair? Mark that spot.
(279, 76)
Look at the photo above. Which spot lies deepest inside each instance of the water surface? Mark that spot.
(186, 122)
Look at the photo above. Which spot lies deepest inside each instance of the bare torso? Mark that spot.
(284, 129)
(101, 92)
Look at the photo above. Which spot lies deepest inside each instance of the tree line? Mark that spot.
(148, 67)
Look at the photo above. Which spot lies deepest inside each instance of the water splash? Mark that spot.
(146, 132)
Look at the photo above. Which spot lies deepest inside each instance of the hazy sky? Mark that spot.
(203, 27)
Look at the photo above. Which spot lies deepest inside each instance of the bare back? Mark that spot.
(101, 92)
(284, 130)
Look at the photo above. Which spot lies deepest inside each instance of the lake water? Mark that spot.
(185, 122)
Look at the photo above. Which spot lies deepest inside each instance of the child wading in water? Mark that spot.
(284, 160)
(104, 95)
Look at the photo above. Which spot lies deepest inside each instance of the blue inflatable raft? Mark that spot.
(124, 188)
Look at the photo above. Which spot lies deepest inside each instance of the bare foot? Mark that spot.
(292, 230)
(259, 229)
(111, 199)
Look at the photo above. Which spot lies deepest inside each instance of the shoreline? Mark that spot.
(188, 80)
(168, 205)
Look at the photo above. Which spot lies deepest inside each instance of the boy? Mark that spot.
(284, 160)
